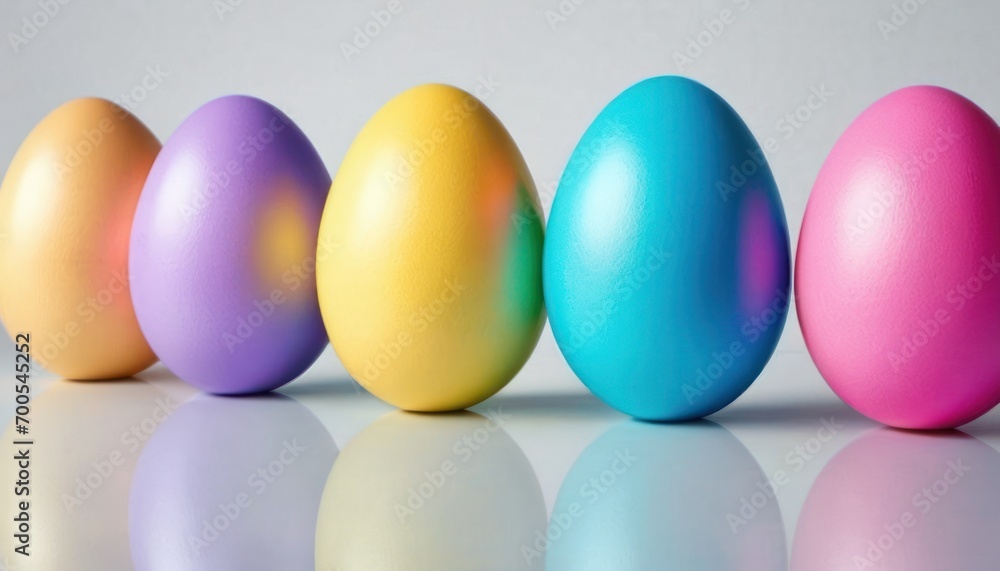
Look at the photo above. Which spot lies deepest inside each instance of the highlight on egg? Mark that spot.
(667, 262)
(430, 257)
(897, 272)
(66, 209)
(223, 249)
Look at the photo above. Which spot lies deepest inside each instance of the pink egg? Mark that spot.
(897, 276)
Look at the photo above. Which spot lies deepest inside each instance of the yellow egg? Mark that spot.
(429, 259)
(66, 208)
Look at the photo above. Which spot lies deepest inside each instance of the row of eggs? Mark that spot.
(230, 255)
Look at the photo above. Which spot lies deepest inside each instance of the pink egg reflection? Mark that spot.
(899, 501)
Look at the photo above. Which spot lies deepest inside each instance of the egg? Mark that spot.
(66, 208)
(645, 496)
(666, 268)
(903, 500)
(253, 506)
(449, 492)
(897, 285)
(223, 249)
(430, 254)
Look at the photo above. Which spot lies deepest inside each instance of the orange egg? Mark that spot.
(66, 208)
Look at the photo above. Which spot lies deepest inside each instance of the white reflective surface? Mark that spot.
(325, 476)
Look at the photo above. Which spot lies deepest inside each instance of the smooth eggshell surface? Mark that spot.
(430, 253)
(898, 262)
(66, 208)
(666, 258)
(224, 245)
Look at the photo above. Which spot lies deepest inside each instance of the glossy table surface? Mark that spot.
(151, 474)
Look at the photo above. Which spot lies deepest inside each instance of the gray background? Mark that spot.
(553, 79)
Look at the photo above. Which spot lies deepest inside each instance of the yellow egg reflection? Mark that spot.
(451, 492)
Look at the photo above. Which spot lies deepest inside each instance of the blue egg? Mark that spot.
(666, 264)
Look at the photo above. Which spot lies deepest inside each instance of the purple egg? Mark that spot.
(223, 249)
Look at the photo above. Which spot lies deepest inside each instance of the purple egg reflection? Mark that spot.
(230, 484)
(896, 500)
(223, 248)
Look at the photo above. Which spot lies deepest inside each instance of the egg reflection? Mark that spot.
(87, 438)
(230, 484)
(448, 492)
(903, 501)
(646, 496)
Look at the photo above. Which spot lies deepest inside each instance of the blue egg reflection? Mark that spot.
(646, 496)
(449, 492)
(230, 484)
(902, 501)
